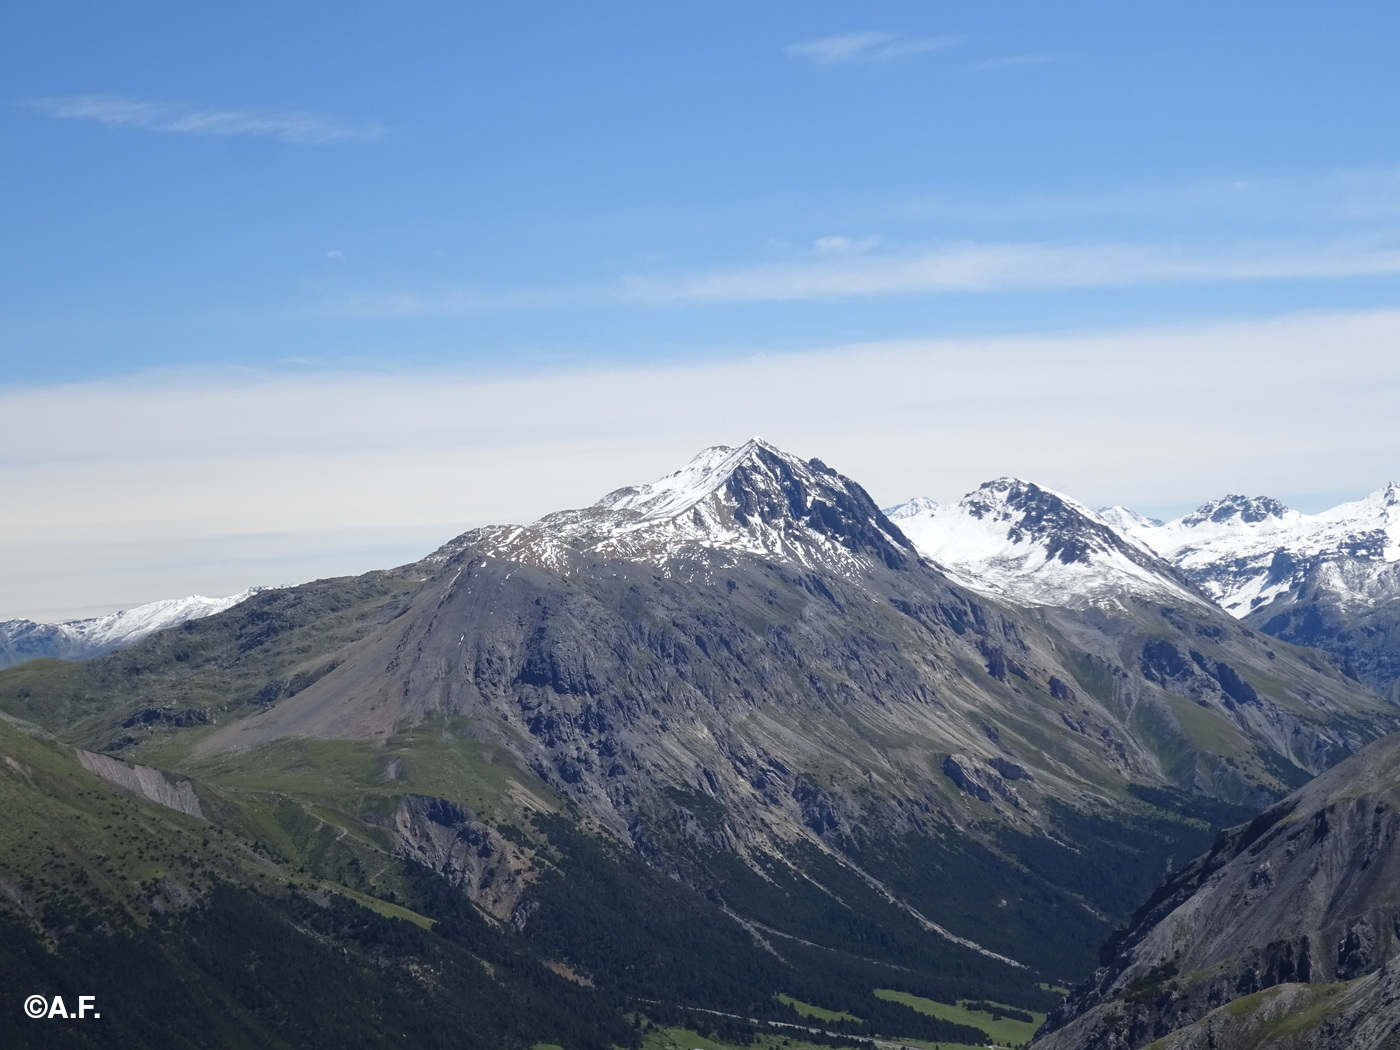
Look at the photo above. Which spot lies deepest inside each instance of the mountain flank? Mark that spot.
(730, 741)
(1286, 933)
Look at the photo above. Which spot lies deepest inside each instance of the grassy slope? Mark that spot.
(91, 875)
(207, 671)
(320, 806)
(318, 809)
(191, 934)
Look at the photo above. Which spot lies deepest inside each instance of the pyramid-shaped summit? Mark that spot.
(755, 497)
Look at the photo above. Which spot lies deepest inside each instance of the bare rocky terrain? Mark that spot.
(1287, 930)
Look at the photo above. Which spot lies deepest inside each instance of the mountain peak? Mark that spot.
(911, 508)
(1387, 497)
(754, 497)
(705, 474)
(1246, 552)
(1236, 509)
(1125, 519)
(1007, 494)
(1032, 544)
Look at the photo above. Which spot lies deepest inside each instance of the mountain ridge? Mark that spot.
(1037, 546)
(1300, 903)
(82, 639)
(1247, 551)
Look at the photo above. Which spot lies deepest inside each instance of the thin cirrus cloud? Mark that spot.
(869, 45)
(1013, 62)
(296, 127)
(849, 268)
(990, 267)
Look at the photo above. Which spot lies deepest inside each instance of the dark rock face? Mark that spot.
(1249, 509)
(1162, 661)
(1193, 675)
(769, 491)
(470, 854)
(1307, 893)
(1364, 641)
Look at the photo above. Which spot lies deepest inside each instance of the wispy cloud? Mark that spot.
(870, 45)
(835, 244)
(845, 268)
(983, 267)
(1014, 62)
(292, 126)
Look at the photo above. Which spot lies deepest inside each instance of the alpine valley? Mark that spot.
(735, 754)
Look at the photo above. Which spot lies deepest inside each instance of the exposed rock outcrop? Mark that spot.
(448, 838)
(146, 781)
(1302, 903)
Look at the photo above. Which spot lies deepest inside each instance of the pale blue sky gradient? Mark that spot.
(519, 193)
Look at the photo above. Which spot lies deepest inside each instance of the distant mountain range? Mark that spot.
(720, 742)
(22, 640)
(1033, 546)
(1328, 580)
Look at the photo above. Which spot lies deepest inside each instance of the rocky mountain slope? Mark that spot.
(1329, 580)
(22, 640)
(738, 699)
(1286, 934)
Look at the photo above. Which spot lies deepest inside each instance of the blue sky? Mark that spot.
(201, 199)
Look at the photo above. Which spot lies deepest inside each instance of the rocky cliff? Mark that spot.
(1287, 933)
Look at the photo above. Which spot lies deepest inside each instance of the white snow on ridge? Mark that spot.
(676, 493)
(83, 639)
(1125, 519)
(131, 625)
(781, 507)
(1245, 552)
(1035, 546)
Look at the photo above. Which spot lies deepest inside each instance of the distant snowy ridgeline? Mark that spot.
(1013, 538)
(1010, 538)
(22, 640)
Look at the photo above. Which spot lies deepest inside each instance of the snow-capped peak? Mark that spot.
(131, 625)
(1125, 518)
(1037, 546)
(1378, 511)
(911, 508)
(676, 493)
(1246, 551)
(755, 498)
(1244, 510)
